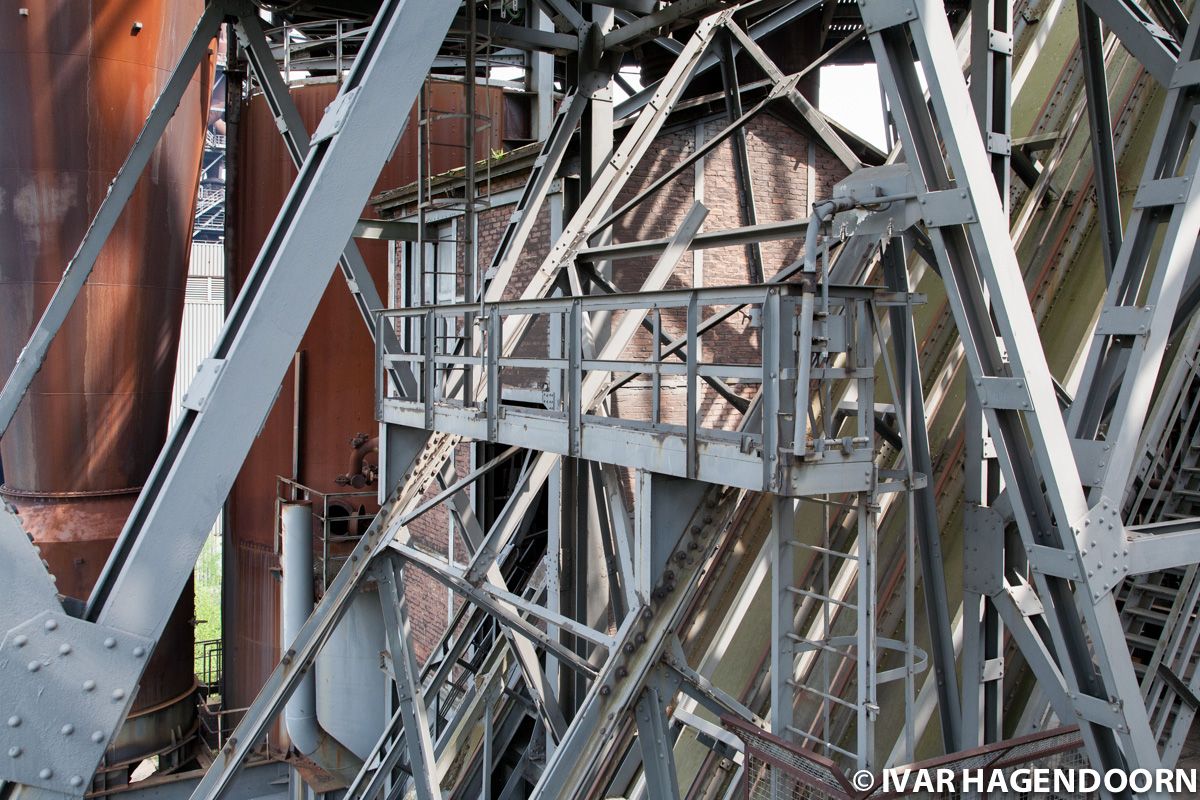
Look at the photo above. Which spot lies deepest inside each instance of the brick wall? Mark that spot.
(784, 163)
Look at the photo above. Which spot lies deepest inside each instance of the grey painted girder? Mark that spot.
(1104, 163)
(992, 45)
(928, 534)
(770, 24)
(704, 691)
(820, 125)
(1130, 340)
(744, 177)
(1150, 44)
(783, 613)
(564, 14)
(613, 696)
(422, 763)
(227, 403)
(525, 38)
(657, 745)
(296, 140)
(983, 281)
(490, 598)
(31, 357)
(649, 25)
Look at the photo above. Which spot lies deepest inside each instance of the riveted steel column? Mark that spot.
(988, 297)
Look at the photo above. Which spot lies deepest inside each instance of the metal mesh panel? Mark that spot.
(776, 770)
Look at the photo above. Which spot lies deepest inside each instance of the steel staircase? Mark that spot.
(1159, 610)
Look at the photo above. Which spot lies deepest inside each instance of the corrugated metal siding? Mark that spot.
(203, 316)
(208, 260)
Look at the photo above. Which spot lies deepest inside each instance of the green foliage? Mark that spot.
(208, 590)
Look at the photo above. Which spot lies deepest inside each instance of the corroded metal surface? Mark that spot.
(80, 79)
(337, 378)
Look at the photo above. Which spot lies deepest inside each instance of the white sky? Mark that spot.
(851, 95)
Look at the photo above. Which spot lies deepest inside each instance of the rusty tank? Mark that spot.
(79, 81)
(315, 435)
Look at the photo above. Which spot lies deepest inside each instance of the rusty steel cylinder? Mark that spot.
(79, 81)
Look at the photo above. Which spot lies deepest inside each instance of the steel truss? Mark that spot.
(610, 703)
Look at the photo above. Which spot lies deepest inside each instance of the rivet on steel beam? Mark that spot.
(20, 640)
(67, 730)
(50, 625)
(89, 685)
(64, 648)
(110, 643)
(97, 736)
(139, 651)
(34, 666)
(46, 773)
(14, 752)
(118, 694)
(76, 780)
(14, 721)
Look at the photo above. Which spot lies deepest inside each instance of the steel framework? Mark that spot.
(1069, 521)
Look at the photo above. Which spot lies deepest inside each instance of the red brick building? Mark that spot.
(790, 170)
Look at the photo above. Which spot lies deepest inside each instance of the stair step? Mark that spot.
(1156, 589)
(1146, 613)
(1142, 642)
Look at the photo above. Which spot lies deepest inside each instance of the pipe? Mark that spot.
(360, 474)
(300, 714)
(822, 212)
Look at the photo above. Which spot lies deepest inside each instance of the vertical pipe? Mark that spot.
(296, 531)
(297, 415)
(300, 713)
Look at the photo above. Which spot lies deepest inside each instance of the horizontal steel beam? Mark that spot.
(721, 455)
(1163, 545)
(520, 37)
(731, 237)
(387, 229)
